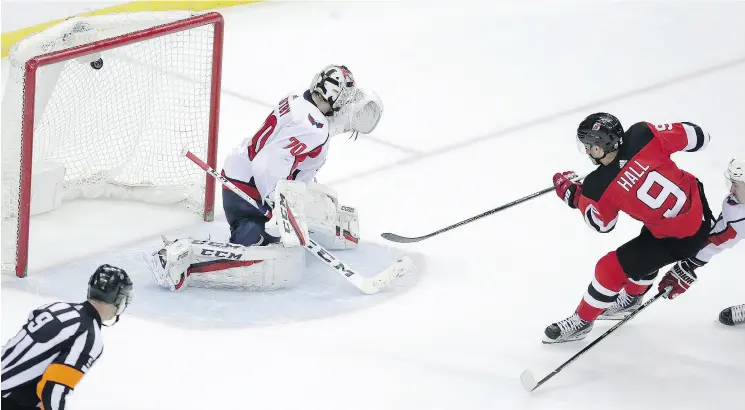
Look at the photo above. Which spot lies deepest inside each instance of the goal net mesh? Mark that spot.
(119, 131)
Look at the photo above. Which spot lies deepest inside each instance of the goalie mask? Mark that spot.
(333, 83)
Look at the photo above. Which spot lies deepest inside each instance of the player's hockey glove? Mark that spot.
(680, 277)
(568, 190)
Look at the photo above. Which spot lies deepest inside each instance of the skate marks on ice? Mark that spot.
(320, 293)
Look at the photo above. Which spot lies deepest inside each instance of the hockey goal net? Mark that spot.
(110, 102)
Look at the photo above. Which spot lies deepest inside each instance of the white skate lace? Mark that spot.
(738, 314)
(624, 300)
(571, 324)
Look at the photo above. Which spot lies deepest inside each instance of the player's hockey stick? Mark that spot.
(404, 239)
(528, 379)
(368, 285)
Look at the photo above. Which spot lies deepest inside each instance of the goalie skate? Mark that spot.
(568, 330)
(169, 266)
(624, 305)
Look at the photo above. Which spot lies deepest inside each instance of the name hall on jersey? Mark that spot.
(631, 175)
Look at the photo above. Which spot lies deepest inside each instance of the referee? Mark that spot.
(44, 362)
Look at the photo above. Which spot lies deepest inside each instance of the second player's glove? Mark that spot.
(568, 190)
(680, 277)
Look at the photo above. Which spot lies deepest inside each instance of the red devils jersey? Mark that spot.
(646, 184)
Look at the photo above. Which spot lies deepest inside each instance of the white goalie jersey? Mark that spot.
(291, 144)
(728, 231)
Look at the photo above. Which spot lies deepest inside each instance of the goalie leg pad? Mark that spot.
(320, 209)
(332, 225)
(256, 268)
(289, 212)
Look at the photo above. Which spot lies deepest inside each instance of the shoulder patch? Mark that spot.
(315, 123)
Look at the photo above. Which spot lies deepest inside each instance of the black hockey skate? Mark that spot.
(568, 330)
(734, 315)
(624, 305)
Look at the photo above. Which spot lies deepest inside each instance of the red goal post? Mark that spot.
(173, 108)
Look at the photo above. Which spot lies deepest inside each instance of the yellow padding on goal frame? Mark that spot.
(12, 37)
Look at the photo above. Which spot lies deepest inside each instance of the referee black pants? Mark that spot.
(8, 404)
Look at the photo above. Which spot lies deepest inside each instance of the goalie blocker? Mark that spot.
(213, 264)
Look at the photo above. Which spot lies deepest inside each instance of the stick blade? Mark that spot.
(528, 380)
(397, 238)
(383, 279)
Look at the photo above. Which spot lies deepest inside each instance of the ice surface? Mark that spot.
(481, 103)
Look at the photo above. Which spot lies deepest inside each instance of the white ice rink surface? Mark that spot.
(482, 101)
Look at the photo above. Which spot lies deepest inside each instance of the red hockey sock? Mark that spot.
(603, 290)
(639, 287)
(636, 290)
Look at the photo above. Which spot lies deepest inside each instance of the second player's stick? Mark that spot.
(528, 379)
(405, 239)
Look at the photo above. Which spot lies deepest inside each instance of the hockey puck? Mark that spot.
(98, 64)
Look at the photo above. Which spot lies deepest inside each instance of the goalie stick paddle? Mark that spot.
(528, 379)
(367, 285)
(404, 239)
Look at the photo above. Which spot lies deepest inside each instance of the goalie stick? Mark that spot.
(368, 285)
(528, 379)
(404, 239)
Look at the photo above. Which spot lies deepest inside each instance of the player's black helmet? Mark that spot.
(111, 285)
(601, 129)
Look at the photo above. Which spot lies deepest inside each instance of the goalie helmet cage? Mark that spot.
(118, 129)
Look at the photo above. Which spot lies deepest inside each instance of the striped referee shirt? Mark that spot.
(50, 354)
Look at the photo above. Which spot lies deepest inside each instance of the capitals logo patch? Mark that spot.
(347, 76)
(314, 122)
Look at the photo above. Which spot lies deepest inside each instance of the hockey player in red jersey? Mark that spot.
(636, 176)
(727, 232)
